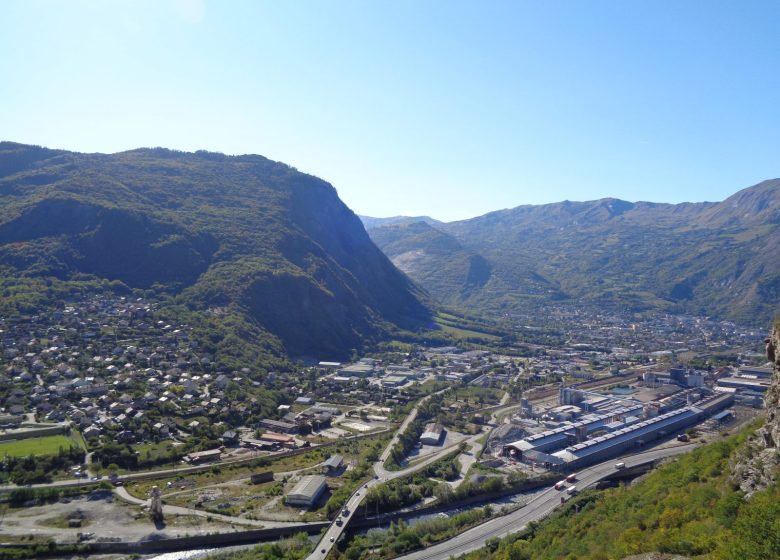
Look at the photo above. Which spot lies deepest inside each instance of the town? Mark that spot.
(117, 426)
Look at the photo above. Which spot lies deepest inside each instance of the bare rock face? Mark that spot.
(757, 468)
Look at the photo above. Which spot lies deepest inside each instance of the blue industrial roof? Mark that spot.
(715, 402)
(722, 415)
(592, 446)
(559, 433)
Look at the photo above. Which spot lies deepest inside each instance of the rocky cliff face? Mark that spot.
(757, 468)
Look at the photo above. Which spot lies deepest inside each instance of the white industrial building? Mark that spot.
(359, 369)
(433, 434)
(307, 491)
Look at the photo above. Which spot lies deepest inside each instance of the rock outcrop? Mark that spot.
(757, 467)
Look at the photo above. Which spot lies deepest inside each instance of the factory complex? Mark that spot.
(607, 425)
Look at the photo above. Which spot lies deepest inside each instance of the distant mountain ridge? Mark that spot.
(433, 258)
(709, 257)
(276, 248)
(371, 223)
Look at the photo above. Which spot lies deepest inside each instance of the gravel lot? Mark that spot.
(105, 517)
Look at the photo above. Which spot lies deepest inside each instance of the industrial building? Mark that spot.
(570, 432)
(631, 437)
(745, 383)
(616, 433)
(394, 380)
(591, 401)
(333, 464)
(432, 435)
(723, 417)
(715, 403)
(272, 439)
(637, 435)
(359, 369)
(259, 478)
(329, 365)
(765, 372)
(307, 491)
(203, 456)
(279, 426)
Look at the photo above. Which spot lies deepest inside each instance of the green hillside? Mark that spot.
(434, 259)
(266, 260)
(703, 258)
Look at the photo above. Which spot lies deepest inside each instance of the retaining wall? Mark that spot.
(35, 432)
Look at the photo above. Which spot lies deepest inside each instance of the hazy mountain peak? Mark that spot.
(370, 222)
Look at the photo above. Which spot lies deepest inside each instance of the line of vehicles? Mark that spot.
(571, 490)
(562, 484)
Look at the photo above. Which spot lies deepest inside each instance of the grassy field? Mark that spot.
(165, 450)
(466, 333)
(489, 395)
(78, 439)
(48, 445)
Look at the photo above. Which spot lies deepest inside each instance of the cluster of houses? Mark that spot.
(589, 331)
(108, 365)
(112, 366)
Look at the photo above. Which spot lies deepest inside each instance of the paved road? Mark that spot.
(466, 460)
(168, 509)
(539, 507)
(338, 526)
(384, 474)
(123, 494)
(335, 530)
(164, 473)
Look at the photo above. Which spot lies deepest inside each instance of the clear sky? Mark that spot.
(445, 108)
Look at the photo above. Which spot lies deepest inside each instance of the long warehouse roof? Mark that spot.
(308, 486)
(619, 437)
(560, 433)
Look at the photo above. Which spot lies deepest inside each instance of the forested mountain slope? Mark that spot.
(243, 235)
(708, 258)
(433, 258)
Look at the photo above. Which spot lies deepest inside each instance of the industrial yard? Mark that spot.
(588, 426)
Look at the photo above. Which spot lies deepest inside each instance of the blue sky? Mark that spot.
(450, 109)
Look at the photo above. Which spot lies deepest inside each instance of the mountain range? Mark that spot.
(241, 240)
(710, 258)
(267, 260)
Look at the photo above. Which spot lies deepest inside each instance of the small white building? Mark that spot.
(307, 491)
(433, 434)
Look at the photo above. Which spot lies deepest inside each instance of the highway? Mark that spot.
(334, 532)
(538, 508)
(336, 529)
